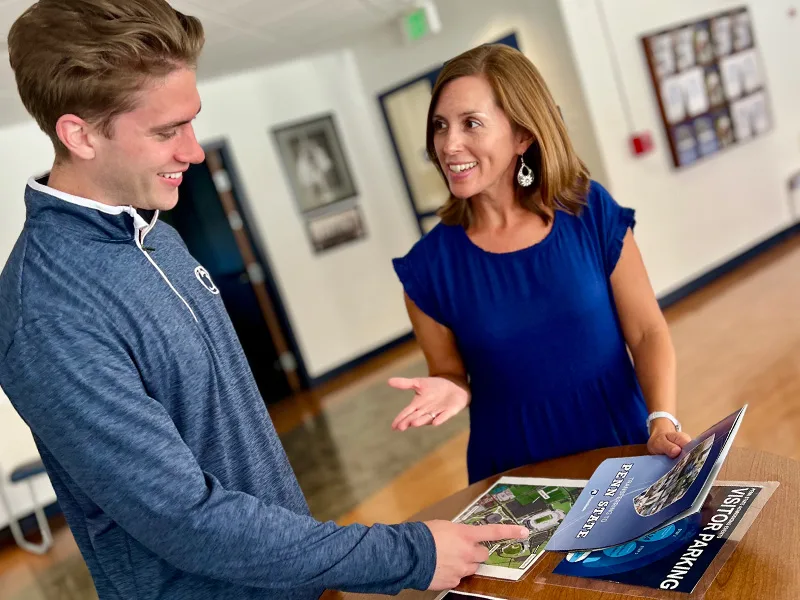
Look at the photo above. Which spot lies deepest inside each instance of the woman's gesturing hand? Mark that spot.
(436, 400)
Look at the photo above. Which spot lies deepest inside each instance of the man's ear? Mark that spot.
(77, 135)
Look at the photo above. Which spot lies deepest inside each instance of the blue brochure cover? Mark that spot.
(627, 498)
(674, 557)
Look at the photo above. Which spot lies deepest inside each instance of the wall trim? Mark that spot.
(730, 265)
(359, 360)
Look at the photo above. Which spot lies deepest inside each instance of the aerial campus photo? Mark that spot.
(540, 508)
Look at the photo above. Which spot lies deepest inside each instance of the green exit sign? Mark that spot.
(417, 26)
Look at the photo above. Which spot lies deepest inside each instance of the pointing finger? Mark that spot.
(490, 533)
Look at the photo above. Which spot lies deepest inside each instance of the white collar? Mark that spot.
(138, 220)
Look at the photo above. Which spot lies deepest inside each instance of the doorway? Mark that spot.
(211, 218)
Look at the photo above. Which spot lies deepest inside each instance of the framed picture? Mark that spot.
(709, 84)
(336, 228)
(315, 162)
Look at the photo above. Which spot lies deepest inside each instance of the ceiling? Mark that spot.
(240, 34)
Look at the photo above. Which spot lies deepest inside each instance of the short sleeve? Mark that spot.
(413, 270)
(611, 222)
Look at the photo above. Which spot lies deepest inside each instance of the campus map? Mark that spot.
(538, 504)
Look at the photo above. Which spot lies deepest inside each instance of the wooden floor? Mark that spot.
(737, 341)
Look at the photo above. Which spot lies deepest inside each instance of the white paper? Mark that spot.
(663, 56)
(684, 48)
(694, 89)
(749, 70)
(742, 33)
(721, 32)
(672, 96)
(731, 78)
(454, 594)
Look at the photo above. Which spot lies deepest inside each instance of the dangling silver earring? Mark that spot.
(525, 175)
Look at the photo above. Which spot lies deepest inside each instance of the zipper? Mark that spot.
(142, 229)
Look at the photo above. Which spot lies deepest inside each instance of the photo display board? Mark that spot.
(710, 84)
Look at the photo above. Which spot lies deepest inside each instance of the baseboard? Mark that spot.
(728, 266)
(29, 524)
(333, 373)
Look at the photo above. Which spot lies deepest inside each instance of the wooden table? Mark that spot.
(766, 563)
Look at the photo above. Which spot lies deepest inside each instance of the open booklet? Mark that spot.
(536, 503)
(627, 498)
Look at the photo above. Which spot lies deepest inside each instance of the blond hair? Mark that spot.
(91, 57)
(561, 177)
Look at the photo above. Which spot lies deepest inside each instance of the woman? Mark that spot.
(528, 295)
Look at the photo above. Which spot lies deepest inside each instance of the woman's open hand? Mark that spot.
(436, 400)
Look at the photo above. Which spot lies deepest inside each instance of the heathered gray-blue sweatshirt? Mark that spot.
(117, 351)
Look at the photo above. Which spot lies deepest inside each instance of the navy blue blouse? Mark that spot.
(539, 334)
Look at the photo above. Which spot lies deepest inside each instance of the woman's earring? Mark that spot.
(525, 175)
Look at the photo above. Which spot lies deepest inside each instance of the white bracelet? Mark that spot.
(665, 415)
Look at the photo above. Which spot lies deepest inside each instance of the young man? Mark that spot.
(123, 361)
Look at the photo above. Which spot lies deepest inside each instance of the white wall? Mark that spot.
(384, 61)
(347, 301)
(690, 220)
(24, 151)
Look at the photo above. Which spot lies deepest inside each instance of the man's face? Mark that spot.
(142, 162)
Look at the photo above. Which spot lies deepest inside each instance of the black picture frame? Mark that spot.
(315, 162)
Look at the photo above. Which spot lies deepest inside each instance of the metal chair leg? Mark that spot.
(16, 530)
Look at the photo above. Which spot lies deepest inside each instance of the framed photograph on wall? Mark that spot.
(315, 162)
(709, 84)
(335, 228)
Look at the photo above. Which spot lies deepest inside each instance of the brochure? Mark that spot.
(535, 503)
(675, 557)
(627, 498)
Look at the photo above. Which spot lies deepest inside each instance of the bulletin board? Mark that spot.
(709, 81)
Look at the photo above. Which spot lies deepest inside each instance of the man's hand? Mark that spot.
(459, 551)
(665, 440)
